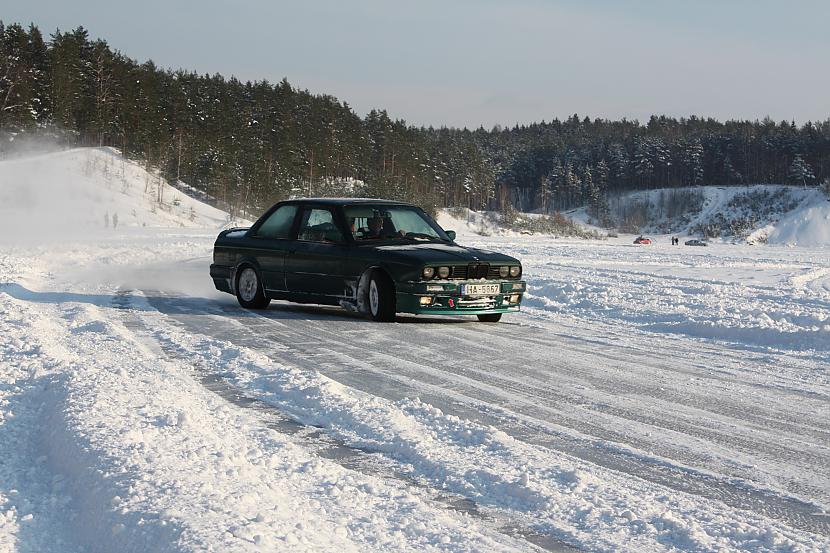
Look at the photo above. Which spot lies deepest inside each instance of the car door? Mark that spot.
(271, 241)
(316, 263)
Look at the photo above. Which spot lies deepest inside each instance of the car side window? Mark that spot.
(317, 225)
(278, 225)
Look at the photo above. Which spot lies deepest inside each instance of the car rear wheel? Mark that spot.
(249, 290)
(381, 297)
(490, 318)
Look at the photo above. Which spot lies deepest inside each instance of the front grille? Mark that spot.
(475, 270)
(478, 270)
(458, 272)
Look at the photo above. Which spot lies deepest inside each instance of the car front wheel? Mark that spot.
(381, 297)
(490, 318)
(249, 290)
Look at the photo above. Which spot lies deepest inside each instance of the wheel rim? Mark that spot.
(374, 299)
(248, 284)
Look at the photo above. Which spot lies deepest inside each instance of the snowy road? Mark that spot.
(645, 399)
(693, 421)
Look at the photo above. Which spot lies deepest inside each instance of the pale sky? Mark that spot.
(485, 62)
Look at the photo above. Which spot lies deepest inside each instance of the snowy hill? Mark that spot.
(753, 213)
(774, 214)
(809, 225)
(84, 189)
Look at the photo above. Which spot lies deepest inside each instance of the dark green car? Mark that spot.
(372, 256)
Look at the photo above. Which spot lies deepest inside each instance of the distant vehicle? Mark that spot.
(642, 240)
(372, 256)
(695, 242)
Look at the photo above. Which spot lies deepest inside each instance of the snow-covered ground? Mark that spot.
(647, 398)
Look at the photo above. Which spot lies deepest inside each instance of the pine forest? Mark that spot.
(249, 144)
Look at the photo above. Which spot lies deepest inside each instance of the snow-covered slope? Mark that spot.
(466, 222)
(774, 214)
(809, 225)
(87, 189)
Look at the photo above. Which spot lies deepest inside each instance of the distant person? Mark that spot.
(114, 220)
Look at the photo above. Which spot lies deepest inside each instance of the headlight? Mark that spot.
(504, 271)
(515, 271)
(428, 272)
(443, 272)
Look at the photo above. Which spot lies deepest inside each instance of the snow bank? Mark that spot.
(809, 225)
(466, 222)
(86, 190)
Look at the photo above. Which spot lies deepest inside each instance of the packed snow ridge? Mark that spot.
(647, 398)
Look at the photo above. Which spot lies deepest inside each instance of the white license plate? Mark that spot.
(480, 289)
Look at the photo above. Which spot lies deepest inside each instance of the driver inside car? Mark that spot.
(375, 227)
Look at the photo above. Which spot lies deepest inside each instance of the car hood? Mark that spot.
(433, 252)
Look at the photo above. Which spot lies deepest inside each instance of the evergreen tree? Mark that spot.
(694, 162)
(17, 93)
(38, 56)
(643, 165)
(69, 62)
(730, 173)
(800, 172)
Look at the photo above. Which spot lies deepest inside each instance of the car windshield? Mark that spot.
(390, 222)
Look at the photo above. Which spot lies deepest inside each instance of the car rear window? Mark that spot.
(278, 225)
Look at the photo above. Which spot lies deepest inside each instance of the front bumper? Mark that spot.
(445, 297)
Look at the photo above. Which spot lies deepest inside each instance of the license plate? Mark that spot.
(480, 289)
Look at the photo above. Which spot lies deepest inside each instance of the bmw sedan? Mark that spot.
(377, 257)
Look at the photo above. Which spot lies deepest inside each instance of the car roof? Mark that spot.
(345, 201)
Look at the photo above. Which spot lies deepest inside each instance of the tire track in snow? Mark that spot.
(457, 387)
(317, 441)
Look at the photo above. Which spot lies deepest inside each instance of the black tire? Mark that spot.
(249, 291)
(490, 318)
(381, 297)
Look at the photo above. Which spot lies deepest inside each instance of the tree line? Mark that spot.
(249, 144)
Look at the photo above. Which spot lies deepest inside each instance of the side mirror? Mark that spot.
(451, 234)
